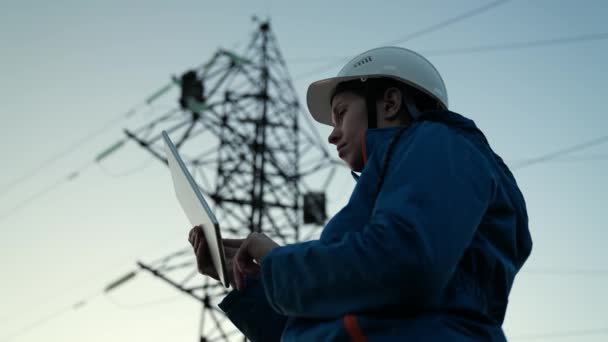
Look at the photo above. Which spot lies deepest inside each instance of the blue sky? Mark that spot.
(69, 67)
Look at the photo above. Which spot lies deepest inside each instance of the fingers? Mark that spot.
(233, 243)
(239, 258)
(195, 240)
(237, 276)
(191, 235)
(236, 250)
(229, 252)
(201, 263)
(239, 273)
(196, 237)
(243, 264)
(200, 250)
(250, 268)
(231, 246)
(200, 247)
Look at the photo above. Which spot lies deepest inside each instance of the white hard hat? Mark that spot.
(397, 63)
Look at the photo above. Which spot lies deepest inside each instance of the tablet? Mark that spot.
(196, 208)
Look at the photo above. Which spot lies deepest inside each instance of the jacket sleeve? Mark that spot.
(437, 189)
(249, 311)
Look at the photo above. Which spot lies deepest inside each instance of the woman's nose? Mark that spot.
(334, 136)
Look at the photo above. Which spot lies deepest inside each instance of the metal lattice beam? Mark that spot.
(243, 142)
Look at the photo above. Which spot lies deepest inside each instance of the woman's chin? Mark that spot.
(356, 169)
(354, 165)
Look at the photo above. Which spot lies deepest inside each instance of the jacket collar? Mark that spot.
(376, 138)
(373, 139)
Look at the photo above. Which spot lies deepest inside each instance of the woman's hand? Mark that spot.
(248, 258)
(203, 257)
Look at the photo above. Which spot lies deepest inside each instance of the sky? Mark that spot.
(70, 67)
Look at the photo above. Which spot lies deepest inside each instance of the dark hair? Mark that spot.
(378, 86)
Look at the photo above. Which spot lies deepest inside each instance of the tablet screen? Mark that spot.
(195, 207)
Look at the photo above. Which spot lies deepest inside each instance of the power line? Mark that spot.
(520, 45)
(164, 89)
(43, 192)
(37, 324)
(490, 48)
(75, 174)
(79, 304)
(67, 179)
(4, 189)
(568, 272)
(137, 306)
(52, 160)
(563, 334)
(50, 317)
(447, 22)
(146, 164)
(415, 34)
(89, 280)
(476, 11)
(573, 159)
(554, 155)
(549, 272)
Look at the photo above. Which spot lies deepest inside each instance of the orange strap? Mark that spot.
(352, 328)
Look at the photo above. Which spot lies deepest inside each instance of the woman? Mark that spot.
(429, 243)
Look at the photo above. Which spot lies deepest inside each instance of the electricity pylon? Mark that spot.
(241, 130)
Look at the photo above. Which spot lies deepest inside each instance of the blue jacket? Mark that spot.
(430, 257)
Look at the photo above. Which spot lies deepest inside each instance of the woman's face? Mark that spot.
(349, 116)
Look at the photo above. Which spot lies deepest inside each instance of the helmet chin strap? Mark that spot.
(372, 115)
(411, 107)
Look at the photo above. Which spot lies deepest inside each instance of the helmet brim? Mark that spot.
(319, 94)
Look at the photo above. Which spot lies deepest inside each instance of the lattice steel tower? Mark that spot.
(240, 127)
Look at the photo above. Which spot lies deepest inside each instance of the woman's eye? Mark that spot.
(339, 114)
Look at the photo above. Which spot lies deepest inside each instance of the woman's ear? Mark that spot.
(391, 104)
